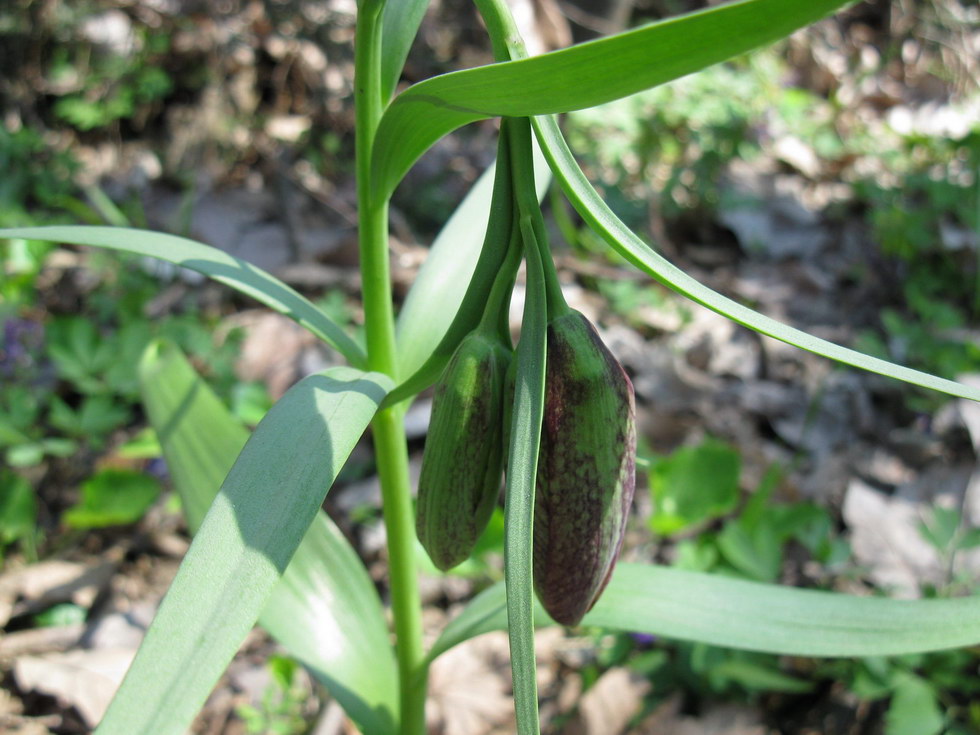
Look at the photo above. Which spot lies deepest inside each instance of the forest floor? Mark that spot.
(832, 183)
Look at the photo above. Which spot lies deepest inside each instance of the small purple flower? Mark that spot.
(22, 340)
(643, 639)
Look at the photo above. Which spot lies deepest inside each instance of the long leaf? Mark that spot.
(447, 276)
(400, 23)
(214, 263)
(522, 467)
(325, 610)
(577, 77)
(751, 616)
(264, 508)
(601, 218)
(443, 283)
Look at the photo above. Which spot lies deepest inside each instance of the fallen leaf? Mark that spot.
(85, 680)
(610, 704)
(38, 586)
(469, 687)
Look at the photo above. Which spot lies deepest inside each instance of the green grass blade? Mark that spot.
(733, 613)
(522, 466)
(264, 508)
(577, 77)
(400, 21)
(325, 610)
(624, 241)
(214, 263)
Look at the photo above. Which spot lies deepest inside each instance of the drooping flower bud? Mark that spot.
(463, 459)
(586, 469)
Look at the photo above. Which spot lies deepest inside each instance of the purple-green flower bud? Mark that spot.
(463, 459)
(586, 469)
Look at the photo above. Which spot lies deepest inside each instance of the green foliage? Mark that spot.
(675, 141)
(693, 485)
(37, 178)
(631, 299)
(914, 709)
(925, 221)
(113, 498)
(18, 512)
(281, 709)
(113, 86)
(239, 566)
(64, 614)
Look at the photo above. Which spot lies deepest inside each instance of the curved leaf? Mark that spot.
(522, 467)
(462, 248)
(400, 23)
(734, 613)
(214, 263)
(325, 609)
(443, 283)
(264, 508)
(624, 241)
(577, 77)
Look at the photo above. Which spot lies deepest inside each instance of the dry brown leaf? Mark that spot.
(609, 705)
(40, 640)
(722, 720)
(469, 688)
(40, 585)
(85, 680)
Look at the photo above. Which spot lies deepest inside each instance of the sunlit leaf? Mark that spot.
(325, 610)
(751, 616)
(577, 77)
(265, 506)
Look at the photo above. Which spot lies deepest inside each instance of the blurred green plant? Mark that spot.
(928, 227)
(113, 498)
(110, 86)
(281, 710)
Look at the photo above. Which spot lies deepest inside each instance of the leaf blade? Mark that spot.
(242, 548)
(325, 609)
(624, 241)
(522, 465)
(400, 23)
(222, 267)
(752, 616)
(603, 70)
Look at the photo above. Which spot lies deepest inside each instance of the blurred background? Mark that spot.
(831, 181)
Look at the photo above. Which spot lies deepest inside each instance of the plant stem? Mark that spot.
(391, 449)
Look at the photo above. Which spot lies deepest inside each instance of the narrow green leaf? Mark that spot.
(400, 21)
(522, 467)
(446, 301)
(325, 610)
(751, 616)
(601, 218)
(577, 77)
(265, 506)
(450, 291)
(214, 263)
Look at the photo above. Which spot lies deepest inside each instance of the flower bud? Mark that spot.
(463, 459)
(586, 469)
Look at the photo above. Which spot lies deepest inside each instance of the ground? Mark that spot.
(830, 183)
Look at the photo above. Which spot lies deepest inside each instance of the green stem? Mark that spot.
(532, 223)
(391, 449)
(504, 36)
